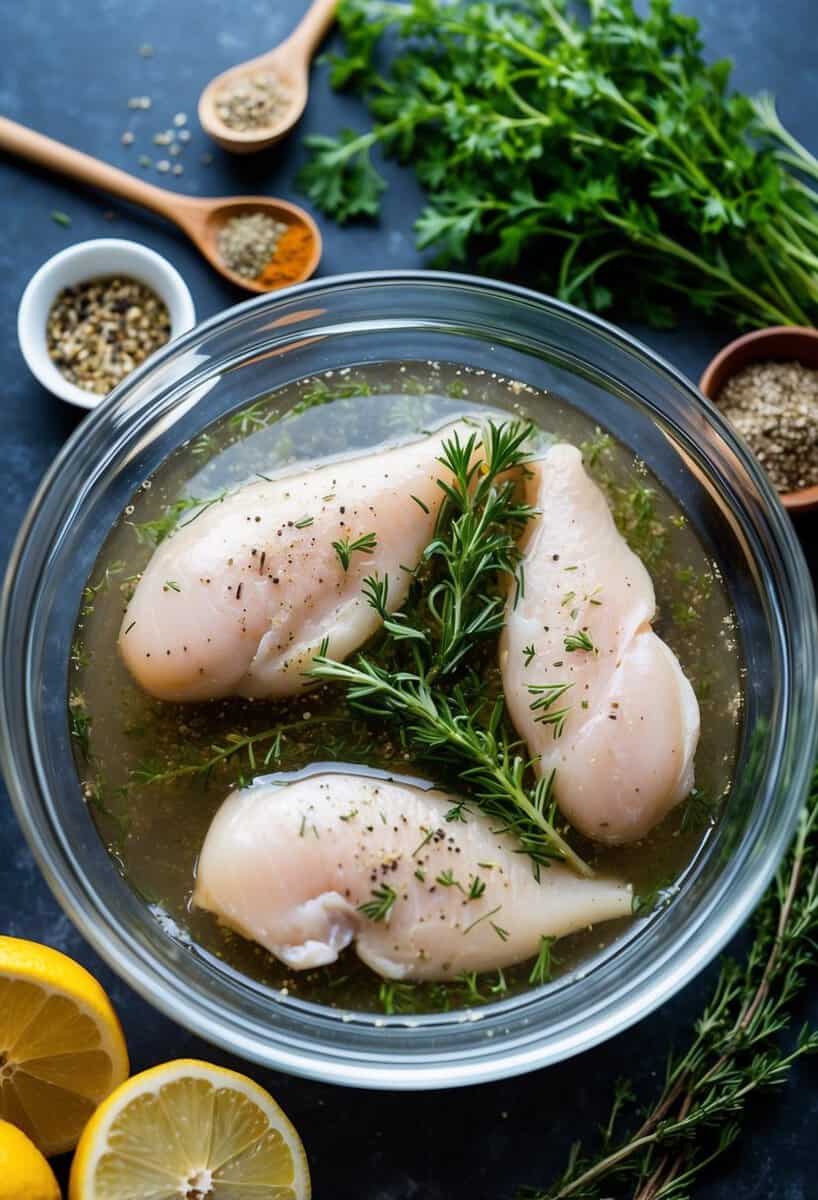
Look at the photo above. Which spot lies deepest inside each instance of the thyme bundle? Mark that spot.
(740, 1046)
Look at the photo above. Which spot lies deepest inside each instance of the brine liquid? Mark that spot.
(155, 773)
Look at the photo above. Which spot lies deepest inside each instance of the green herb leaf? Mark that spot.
(380, 906)
(345, 548)
(155, 531)
(740, 1045)
(592, 140)
(541, 971)
(581, 640)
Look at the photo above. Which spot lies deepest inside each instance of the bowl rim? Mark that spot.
(805, 498)
(158, 987)
(31, 333)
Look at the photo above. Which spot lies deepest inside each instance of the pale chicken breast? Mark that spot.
(237, 600)
(290, 865)
(624, 757)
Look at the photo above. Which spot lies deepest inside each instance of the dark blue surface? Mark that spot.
(69, 67)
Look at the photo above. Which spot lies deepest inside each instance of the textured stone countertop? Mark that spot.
(68, 70)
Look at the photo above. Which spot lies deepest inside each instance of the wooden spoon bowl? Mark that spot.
(293, 75)
(289, 62)
(205, 224)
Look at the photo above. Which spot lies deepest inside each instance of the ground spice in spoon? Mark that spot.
(253, 101)
(292, 255)
(774, 407)
(249, 241)
(272, 253)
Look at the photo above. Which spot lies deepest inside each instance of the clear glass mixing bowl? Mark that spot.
(333, 323)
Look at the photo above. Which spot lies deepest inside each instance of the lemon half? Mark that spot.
(24, 1173)
(191, 1130)
(61, 1045)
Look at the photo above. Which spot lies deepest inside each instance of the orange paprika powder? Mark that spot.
(292, 254)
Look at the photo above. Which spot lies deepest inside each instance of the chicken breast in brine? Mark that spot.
(623, 747)
(290, 866)
(237, 600)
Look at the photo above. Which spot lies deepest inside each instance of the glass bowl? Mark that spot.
(227, 362)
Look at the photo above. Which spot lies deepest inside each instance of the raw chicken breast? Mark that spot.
(288, 866)
(237, 601)
(625, 755)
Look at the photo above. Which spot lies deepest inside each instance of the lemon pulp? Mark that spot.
(194, 1131)
(24, 1173)
(61, 1046)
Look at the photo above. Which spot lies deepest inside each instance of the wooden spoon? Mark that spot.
(290, 63)
(200, 218)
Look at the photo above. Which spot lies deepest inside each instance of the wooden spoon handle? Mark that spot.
(313, 25)
(55, 156)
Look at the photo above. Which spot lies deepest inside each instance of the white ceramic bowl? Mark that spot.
(76, 264)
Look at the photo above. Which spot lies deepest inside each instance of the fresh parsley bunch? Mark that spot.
(601, 151)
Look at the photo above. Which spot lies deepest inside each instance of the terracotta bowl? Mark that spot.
(782, 343)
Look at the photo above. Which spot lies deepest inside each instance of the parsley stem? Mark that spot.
(660, 242)
(802, 256)
(612, 92)
(798, 155)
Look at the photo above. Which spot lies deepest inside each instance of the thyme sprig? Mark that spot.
(233, 746)
(443, 717)
(739, 1047)
(155, 531)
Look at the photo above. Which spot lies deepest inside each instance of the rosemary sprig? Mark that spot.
(737, 1049)
(581, 640)
(474, 544)
(476, 537)
(448, 728)
(476, 888)
(546, 696)
(541, 971)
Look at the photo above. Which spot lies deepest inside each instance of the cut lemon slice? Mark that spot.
(61, 1045)
(24, 1173)
(188, 1130)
